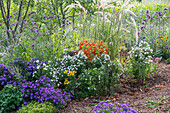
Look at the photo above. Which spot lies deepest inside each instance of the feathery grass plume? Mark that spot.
(76, 4)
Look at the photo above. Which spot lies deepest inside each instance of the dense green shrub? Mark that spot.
(36, 107)
(10, 98)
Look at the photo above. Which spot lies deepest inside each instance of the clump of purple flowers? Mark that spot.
(28, 69)
(106, 107)
(42, 90)
(6, 77)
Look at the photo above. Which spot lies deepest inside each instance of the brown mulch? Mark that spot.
(136, 97)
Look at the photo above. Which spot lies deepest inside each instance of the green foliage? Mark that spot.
(92, 83)
(168, 61)
(152, 104)
(23, 50)
(98, 81)
(10, 98)
(36, 107)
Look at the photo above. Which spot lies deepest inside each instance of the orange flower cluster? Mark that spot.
(91, 49)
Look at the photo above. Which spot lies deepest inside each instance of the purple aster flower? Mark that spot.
(19, 57)
(165, 8)
(34, 23)
(22, 90)
(13, 24)
(10, 16)
(148, 16)
(9, 30)
(52, 12)
(19, 107)
(33, 39)
(164, 12)
(25, 103)
(16, 22)
(145, 20)
(0, 24)
(26, 95)
(24, 86)
(33, 12)
(142, 27)
(48, 85)
(1, 41)
(54, 26)
(147, 11)
(160, 15)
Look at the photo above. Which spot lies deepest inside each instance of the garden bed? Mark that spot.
(93, 56)
(157, 91)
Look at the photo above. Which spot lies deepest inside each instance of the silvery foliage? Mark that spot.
(141, 53)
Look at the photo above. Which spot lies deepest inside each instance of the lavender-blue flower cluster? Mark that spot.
(105, 106)
(6, 77)
(28, 69)
(42, 90)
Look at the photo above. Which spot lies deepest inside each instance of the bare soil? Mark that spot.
(158, 90)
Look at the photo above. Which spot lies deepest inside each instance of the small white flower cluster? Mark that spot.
(141, 53)
(40, 65)
(70, 63)
(105, 58)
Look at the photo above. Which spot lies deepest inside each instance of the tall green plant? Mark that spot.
(107, 24)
